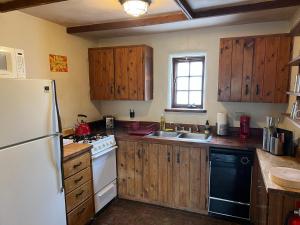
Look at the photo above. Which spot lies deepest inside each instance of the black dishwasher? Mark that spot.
(230, 182)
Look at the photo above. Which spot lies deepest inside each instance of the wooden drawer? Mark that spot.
(78, 179)
(79, 195)
(75, 165)
(82, 214)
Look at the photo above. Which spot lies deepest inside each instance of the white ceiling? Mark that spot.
(82, 12)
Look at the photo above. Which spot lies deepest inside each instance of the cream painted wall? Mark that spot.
(40, 38)
(206, 41)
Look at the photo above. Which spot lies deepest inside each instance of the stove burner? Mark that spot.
(88, 138)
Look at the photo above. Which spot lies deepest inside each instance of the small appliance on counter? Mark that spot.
(109, 122)
(277, 141)
(82, 128)
(244, 127)
(222, 126)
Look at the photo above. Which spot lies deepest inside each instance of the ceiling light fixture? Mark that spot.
(135, 7)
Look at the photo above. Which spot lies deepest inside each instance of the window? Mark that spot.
(188, 79)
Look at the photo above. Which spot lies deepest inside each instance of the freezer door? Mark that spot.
(30, 188)
(27, 110)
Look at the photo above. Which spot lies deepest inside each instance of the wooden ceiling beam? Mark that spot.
(274, 4)
(146, 21)
(185, 8)
(21, 4)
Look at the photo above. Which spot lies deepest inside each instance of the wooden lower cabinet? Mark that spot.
(79, 189)
(162, 174)
(269, 208)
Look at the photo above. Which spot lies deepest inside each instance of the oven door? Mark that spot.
(104, 168)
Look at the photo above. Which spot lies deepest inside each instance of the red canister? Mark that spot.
(244, 127)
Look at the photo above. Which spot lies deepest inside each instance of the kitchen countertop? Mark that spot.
(267, 161)
(75, 149)
(217, 141)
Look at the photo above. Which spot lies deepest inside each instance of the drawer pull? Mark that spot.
(77, 165)
(79, 179)
(81, 211)
(79, 194)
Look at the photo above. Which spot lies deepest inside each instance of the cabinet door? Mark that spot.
(248, 54)
(126, 168)
(101, 65)
(237, 69)
(190, 178)
(122, 168)
(138, 166)
(198, 178)
(128, 72)
(150, 175)
(225, 70)
(181, 177)
(165, 179)
(259, 68)
(270, 70)
(283, 70)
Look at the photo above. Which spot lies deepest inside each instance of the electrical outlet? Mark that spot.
(237, 115)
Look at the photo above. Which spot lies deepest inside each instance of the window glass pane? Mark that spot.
(182, 69)
(196, 83)
(196, 68)
(182, 98)
(195, 98)
(182, 83)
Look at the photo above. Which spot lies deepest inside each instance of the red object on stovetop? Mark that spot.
(244, 127)
(82, 128)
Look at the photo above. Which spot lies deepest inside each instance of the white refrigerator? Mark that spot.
(31, 179)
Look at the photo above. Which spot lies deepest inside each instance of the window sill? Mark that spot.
(186, 110)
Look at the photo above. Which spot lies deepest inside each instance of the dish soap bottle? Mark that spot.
(162, 122)
(206, 131)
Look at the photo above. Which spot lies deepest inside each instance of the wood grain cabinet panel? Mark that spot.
(272, 207)
(101, 64)
(121, 73)
(79, 189)
(173, 176)
(225, 70)
(82, 214)
(254, 69)
(77, 164)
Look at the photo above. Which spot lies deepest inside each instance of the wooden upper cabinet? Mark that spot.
(254, 69)
(102, 78)
(126, 73)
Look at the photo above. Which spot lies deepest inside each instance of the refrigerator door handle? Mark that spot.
(59, 162)
(56, 115)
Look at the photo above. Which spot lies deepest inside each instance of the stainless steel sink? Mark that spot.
(194, 136)
(164, 134)
(180, 136)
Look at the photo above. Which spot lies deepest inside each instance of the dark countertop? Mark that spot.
(218, 141)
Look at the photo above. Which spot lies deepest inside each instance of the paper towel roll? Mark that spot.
(222, 123)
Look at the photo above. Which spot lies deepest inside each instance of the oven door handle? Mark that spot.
(104, 152)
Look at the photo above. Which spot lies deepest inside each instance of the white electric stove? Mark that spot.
(103, 166)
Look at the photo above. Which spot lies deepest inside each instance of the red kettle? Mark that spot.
(293, 218)
(82, 128)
